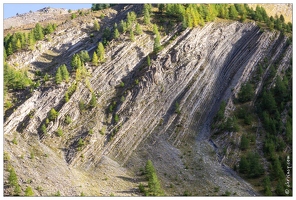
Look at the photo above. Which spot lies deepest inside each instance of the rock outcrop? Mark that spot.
(166, 110)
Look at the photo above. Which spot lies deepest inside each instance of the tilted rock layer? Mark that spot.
(166, 114)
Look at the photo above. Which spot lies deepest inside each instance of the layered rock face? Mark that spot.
(167, 108)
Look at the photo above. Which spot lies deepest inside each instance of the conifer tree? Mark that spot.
(58, 77)
(9, 49)
(49, 29)
(132, 36)
(146, 15)
(243, 165)
(138, 29)
(31, 40)
(23, 40)
(161, 7)
(95, 59)
(153, 182)
(157, 45)
(76, 62)
(101, 52)
(18, 44)
(93, 101)
(65, 73)
(233, 12)
(38, 32)
(116, 33)
(84, 56)
(13, 42)
(96, 25)
(66, 97)
(267, 186)
(123, 26)
(53, 114)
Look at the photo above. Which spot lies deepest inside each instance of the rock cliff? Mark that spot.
(164, 115)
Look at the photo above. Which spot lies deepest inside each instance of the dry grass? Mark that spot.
(277, 9)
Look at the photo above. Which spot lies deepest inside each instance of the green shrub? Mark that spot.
(53, 114)
(244, 144)
(29, 192)
(68, 119)
(59, 132)
(116, 118)
(246, 93)
(82, 105)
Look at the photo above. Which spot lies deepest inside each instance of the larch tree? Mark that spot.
(146, 16)
(58, 77)
(116, 33)
(138, 29)
(132, 36)
(101, 52)
(95, 59)
(18, 44)
(65, 73)
(233, 12)
(38, 32)
(157, 45)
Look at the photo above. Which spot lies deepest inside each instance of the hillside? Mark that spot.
(105, 91)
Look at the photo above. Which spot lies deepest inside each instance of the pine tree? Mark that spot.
(65, 73)
(116, 33)
(31, 40)
(132, 36)
(233, 12)
(246, 93)
(23, 40)
(267, 186)
(138, 29)
(93, 101)
(243, 165)
(18, 44)
(9, 49)
(53, 114)
(66, 97)
(49, 29)
(146, 16)
(96, 25)
(277, 171)
(153, 182)
(161, 7)
(38, 32)
(101, 52)
(58, 77)
(12, 179)
(13, 42)
(95, 59)
(76, 62)
(123, 26)
(149, 169)
(157, 45)
(244, 144)
(84, 56)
